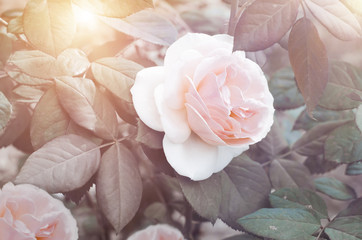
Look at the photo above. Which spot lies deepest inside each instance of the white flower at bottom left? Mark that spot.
(30, 213)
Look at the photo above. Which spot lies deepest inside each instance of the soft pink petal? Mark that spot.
(174, 122)
(157, 232)
(143, 95)
(8, 232)
(226, 154)
(193, 158)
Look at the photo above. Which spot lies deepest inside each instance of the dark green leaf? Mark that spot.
(281, 223)
(299, 198)
(317, 164)
(320, 115)
(6, 47)
(149, 137)
(344, 144)
(344, 80)
(204, 196)
(244, 187)
(240, 189)
(312, 142)
(286, 173)
(309, 61)
(334, 188)
(353, 209)
(354, 168)
(284, 90)
(49, 25)
(243, 237)
(346, 228)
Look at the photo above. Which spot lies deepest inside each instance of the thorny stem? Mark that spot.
(320, 233)
(233, 19)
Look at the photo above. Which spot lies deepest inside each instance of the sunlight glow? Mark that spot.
(84, 18)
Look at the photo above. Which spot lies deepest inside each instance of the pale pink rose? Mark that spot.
(29, 213)
(211, 103)
(157, 232)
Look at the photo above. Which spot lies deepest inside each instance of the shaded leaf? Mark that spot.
(158, 159)
(146, 25)
(353, 209)
(149, 137)
(309, 61)
(19, 121)
(77, 194)
(244, 187)
(318, 164)
(344, 144)
(312, 142)
(111, 8)
(348, 228)
(299, 198)
(61, 165)
(243, 237)
(281, 223)
(204, 196)
(334, 188)
(87, 106)
(49, 25)
(320, 115)
(264, 23)
(119, 186)
(26, 79)
(50, 121)
(354, 168)
(284, 90)
(5, 112)
(117, 75)
(336, 18)
(70, 62)
(6, 47)
(344, 80)
(287, 173)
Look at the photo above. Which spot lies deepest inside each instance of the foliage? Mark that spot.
(66, 102)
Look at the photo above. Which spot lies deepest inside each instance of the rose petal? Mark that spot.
(226, 154)
(174, 122)
(143, 95)
(8, 232)
(193, 158)
(157, 232)
(200, 42)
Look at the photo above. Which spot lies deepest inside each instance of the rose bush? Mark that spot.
(211, 103)
(29, 213)
(157, 232)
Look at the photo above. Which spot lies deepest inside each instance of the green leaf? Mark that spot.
(116, 9)
(5, 112)
(347, 228)
(299, 198)
(344, 80)
(353, 209)
(320, 115)
(312, 142)
(281, 223)
(49, 25)
(344, 144)
(284, 90)
(243, 237)
(308, 57)
(6, 47)
(334, 188)
(287, 173)
(117, 75)
(354, 168)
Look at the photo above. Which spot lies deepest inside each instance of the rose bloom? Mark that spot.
(157, 232)
(29, 213)
(211, 103)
